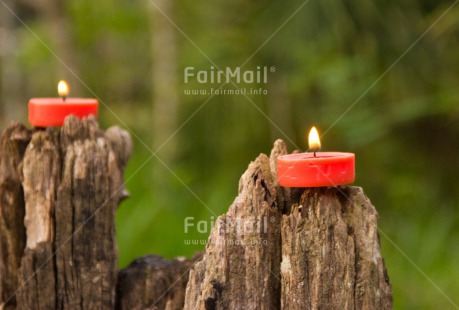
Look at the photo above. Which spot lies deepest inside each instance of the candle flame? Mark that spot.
(314, 140)
(63, 88)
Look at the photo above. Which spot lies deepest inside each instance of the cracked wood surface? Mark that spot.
(152, 282)
(316, 249)
(72, 184)
(276, 247)
(13, 143)
(331, 256)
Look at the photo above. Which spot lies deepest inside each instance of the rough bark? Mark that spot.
(72, 186)
(37, 278)
(241, 266)
(331, 257)
(276, 248)
(152, 282)
(321, 249)
(13, 143)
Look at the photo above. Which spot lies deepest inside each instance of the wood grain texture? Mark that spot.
(152, 282)
(331, 256)
(42, 166)
(13, 143)
(241, 265)
(72, 185)
(321, 249)
(275, 248)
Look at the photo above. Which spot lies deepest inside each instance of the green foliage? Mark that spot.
(330, 56)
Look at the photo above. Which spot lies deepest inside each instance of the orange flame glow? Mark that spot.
(63, 88)
(314, 140)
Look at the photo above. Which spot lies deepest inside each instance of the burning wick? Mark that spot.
(314, 141)
(63, 89)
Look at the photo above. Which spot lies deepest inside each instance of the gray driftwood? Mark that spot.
(317, 249)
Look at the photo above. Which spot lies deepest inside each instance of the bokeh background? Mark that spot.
(378, 78)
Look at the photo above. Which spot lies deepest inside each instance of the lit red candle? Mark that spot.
(46, 112)
(316, 169)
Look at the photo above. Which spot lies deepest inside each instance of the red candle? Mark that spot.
(46, 112)
(316, 169)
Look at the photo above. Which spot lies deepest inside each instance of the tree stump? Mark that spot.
(276, 248)
(330, 253)
(152, 282)
(304, 249)
(72, 184)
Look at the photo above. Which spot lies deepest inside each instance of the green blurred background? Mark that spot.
(395, 63)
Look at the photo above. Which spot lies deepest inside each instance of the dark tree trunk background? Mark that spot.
(276, 248)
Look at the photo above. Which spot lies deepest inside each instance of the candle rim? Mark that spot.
(319, 156)
(58, 100)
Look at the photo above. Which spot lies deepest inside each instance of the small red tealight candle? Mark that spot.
(316, 169)
(46, 112)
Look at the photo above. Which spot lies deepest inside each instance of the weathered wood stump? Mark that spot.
(13, 143)
(280, 248)
(152, 282)
(276, 248)
(71, 186)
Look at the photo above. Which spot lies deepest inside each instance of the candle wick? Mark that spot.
(315, 154)
(63, 98)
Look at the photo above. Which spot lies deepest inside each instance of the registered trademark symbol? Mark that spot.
(272, 69)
